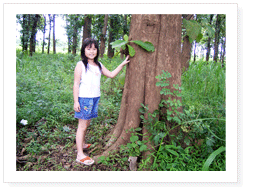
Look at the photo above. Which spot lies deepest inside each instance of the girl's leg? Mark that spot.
(80, 134)
(88, 124)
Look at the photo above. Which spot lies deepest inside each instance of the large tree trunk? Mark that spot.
(87, 27)
(164, 32)
(102, 41)
(186, 49)
(54, 44)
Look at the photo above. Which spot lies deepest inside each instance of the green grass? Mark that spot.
(44, 97)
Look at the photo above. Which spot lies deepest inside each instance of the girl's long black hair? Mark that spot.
(89, 42)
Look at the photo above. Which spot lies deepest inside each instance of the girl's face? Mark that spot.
(90, 52)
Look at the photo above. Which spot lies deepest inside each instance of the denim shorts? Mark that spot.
(88, 108)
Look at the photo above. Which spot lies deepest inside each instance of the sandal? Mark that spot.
(86, 161)
(87, 146)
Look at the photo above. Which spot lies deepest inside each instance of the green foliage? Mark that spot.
(193, 30)
(148, 46)
(136, 146)
(201, 132)
(212, 157)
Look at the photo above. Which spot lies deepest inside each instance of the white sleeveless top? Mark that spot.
(90, 82)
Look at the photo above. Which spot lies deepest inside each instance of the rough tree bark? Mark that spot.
(164, 32)
(102, 41)
(187, 46)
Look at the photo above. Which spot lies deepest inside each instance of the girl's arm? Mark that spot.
(77, 78)
(114, 73)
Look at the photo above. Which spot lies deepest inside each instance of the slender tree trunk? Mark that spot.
(110, 52)
(164, 32)
(49, 35)
(69, 39)
(224, 50)
(44, 33)
(25, 32)
(209, 41)
(87, 27)
(33, 34)
(75, 37)
(102, 41)
(216, 40)
(54, 44)
(186, 49)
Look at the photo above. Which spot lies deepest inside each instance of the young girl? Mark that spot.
(86, 91)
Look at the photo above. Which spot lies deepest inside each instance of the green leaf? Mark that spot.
(125, 38)
(138, 129)
(212, 157)
(143, 147)
(134, 138)
(173, 152)
(118, 43)
(131, 50)
(145, 45)
(200, 36)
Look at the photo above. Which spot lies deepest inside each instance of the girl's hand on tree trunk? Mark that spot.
(125, 61)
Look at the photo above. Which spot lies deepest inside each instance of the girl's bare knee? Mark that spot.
(83, 124)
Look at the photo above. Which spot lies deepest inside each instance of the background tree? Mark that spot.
(208, 48)
(187, 46)
(54, 42)
(86, 26)
(217, 35)
(49, 33)
(114, 32)
(73, 29)
(164, 32)
(103, 38)
(44, 32)
(30, 24)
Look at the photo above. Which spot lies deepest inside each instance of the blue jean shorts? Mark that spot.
(88, 108)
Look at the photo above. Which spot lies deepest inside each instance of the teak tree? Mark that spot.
(164, 32)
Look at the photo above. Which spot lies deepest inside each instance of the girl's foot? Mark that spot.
(86, 146)
(86, 160)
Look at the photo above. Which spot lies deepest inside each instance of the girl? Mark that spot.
(86, 91)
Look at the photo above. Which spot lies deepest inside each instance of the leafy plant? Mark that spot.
(136, 146)
(124, 44)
